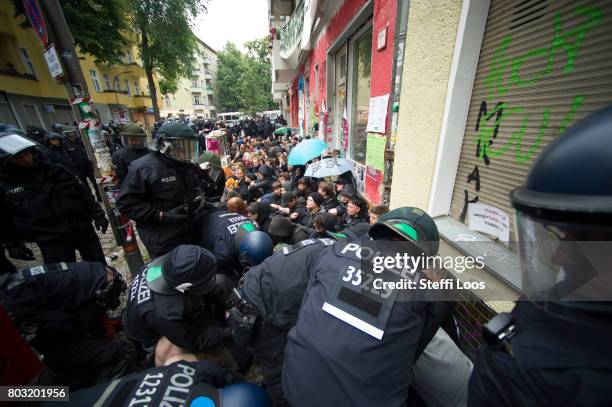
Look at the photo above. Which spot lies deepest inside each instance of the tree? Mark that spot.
(96, 26)
(243, 79)
(256, 81)
(167, 45)
(231, 65)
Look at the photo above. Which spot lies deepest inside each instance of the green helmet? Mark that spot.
(177, 141)
(133, 136)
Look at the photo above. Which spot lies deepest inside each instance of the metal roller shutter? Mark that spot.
(543, 66)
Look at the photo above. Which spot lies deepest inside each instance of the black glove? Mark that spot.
(199, 204)
(177, 214)
(21, 252)
(101, 224)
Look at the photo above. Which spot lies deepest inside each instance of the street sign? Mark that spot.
(35, 15)
(53, 62)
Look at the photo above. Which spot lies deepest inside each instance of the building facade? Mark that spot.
(333, 66)
(196, 95)
(30, 96)
(478, 88)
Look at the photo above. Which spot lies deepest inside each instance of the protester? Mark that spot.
(376, 211)
(313, 206)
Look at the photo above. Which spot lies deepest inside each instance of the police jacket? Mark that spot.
(58, 155)
(215, 231)
(122, 159)
(277, 286)
(44, 203)
(78, 154)
(160, 386)
(554, 361)
(148, 316)
(59, 299)
(153, 184)
(346, 365)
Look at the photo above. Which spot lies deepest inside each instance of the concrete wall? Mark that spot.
(430, 41)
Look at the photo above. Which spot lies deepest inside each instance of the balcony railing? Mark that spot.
(291, 33)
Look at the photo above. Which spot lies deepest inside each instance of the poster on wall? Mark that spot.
(359, 174)
(373, 181)
(375, 152)
(490, 220)
(377, 114)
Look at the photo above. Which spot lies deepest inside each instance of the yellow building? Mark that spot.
(120, 92)
(30, 96)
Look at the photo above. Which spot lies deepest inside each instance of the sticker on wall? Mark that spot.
(359, 174)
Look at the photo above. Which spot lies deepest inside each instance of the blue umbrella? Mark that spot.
(329, 167)
(306, 151)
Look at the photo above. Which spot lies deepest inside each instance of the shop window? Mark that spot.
(361, 74)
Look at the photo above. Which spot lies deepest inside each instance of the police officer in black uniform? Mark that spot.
(134, 140)
(81, 165)
(167, 305)
(55, 150)
(353, 344)
(216, 232)
(45, 203)
(184, 382)
(554, 347)
(163, 190)
(214, 177)
(58, 307)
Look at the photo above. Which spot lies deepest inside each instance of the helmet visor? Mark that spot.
(182, 149)
(134, 142)
(13, 144)
(564, 262)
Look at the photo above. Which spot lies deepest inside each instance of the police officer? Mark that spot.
(55, 150)
(134, 139)
(553, 348)
(162, 190)
(353, 343)
(45, 203)
(216, 232)
(184, 382)
(81, 165)
(274, 290)
(214, 177)
(167, 304)
(58, 307)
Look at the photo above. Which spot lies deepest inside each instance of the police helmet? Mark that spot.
(234, 395)
(186, 269)
(177, 141)
(51, 135)
(71, 132)
(564, 218)
(12, 144)
(57, 127)
(410, 224)
(133, 136)
(254, 246)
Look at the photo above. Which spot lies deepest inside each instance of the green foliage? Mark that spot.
(167, 44)
(96, 26)
(244, 80)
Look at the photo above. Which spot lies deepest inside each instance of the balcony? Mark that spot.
(280, 7)
(197, 88)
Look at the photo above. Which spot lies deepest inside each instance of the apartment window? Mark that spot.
(196, 99)
(194, 82)
(27, 62)
(107, 81)
(117, 84)
(127, 87)
(136, 88)
(167, 100)
(94, 79)
(209, 85)
(129, 57)
(210, 100)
